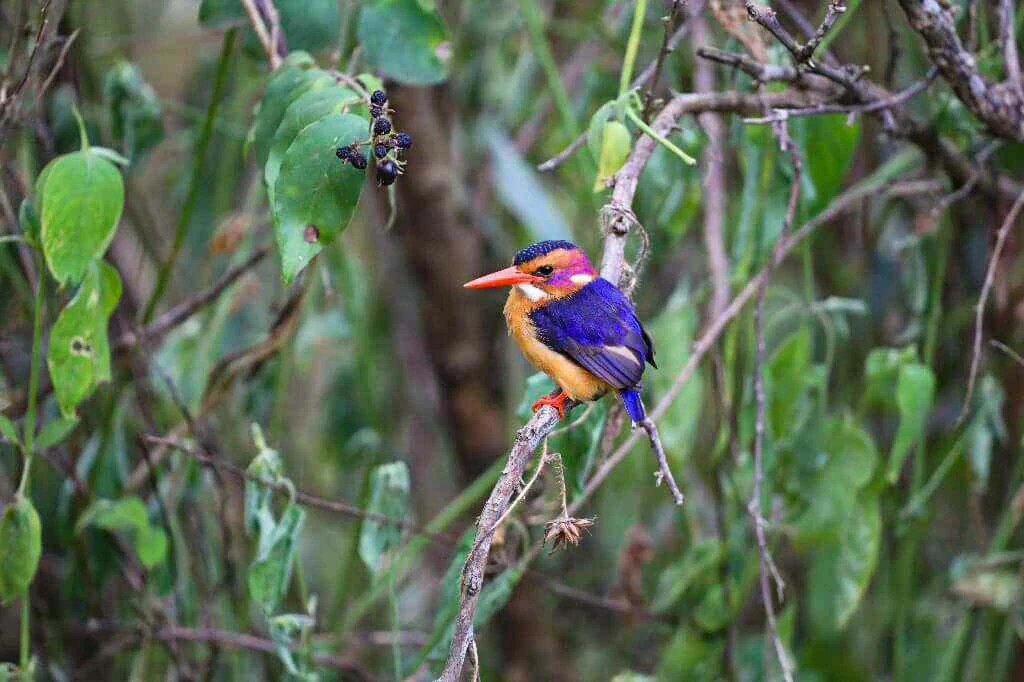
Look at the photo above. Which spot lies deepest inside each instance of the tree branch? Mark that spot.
(999, 105)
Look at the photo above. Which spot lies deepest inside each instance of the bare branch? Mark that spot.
(979, 309)
(671, 22)
(760, 72)
(266, 38)
(190, 306)
(1000, 105)
(526, 441)
(664, 473)
(767, 564)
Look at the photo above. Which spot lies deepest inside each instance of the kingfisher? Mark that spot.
(574, 326)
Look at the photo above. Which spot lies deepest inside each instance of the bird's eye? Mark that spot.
(544, 270)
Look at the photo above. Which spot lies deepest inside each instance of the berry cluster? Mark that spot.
(387, 144)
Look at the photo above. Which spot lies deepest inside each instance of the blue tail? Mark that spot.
(634, 405)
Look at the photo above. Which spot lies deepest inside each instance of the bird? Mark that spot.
(573, 325)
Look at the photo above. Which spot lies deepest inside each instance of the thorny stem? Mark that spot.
(198, 166)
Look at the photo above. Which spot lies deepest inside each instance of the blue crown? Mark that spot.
(542, 249)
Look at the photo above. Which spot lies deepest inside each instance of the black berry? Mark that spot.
(403, 140)
(381, 126)
(378, 97)
(344, 153)
(387, 173)
(376, 111)
(380, 150)
(358, 161)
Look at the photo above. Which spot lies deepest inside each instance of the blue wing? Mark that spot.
(597, 328)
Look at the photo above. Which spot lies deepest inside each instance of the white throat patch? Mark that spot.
(533, 293)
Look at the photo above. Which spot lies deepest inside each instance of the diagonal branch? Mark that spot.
(998, 105)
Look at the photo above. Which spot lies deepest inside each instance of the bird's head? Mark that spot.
(542, 272)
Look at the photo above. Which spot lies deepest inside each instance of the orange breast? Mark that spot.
(578, 383)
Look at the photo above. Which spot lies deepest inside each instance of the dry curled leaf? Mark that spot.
(566, 530)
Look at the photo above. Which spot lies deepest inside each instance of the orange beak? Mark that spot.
(510, 276)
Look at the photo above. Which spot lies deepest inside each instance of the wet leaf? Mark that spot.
(78, 355)
(389, 496)
(915, 391)
(405, 40)
(81, 205)
(314, 188)
(20, 547)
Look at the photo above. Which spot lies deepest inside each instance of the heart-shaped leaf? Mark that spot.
(315, 194)
(82, 198)
(406, 40)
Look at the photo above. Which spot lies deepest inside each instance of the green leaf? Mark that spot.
(389, 496)
(266, 466)
(8, 430)
(55, 431)
(848, 459)
(406, 40)
(881, 369)
(595, 131)
(915, 391)
(271, 571)
(986, 426)
(826, 147)
(674, 329)
(151, 545)
(691, 656)
(698, 566)
(616, 143)
(127, 513)
(788, 380)
(78, 355)
(294, 77)
(28, 218)
(81, 204)
(20, 547)
(321, 99)
(840, 573)
(315, 190)
(135, 116)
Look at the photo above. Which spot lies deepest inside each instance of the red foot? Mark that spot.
(555, 399)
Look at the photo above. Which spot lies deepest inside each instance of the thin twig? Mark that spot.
(1014, 355)
(526, 441)
(269, 45)
(301, 496)
(979, 309)
(671, 20)
(544, 456)
(664, 473)
(767, 564)
(644, 76)
(193, 304)
(965, 189)
(61, 56)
